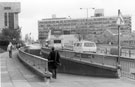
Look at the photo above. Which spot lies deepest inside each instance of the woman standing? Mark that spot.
(9, 49)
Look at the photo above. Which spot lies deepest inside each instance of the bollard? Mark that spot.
(119, 70)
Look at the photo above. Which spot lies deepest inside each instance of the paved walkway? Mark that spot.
(15, 74)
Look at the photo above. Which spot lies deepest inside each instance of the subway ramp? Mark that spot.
(16, 74)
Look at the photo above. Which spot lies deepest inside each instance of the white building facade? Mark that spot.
(94, 25)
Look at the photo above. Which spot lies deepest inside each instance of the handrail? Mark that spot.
(94, 58)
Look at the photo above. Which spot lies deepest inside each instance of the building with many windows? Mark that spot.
(9, 15)
(91, 26)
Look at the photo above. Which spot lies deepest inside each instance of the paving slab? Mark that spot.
(5, 77)
(8, 84)
(21, 83)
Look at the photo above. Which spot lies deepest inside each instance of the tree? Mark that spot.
(81, 34)
(12, 35)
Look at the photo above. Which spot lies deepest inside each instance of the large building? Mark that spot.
(9, 15)
(93, 25)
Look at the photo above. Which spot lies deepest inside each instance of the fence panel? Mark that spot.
(128, 67)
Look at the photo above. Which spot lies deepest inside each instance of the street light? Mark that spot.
(87, 10)
(69, 17)
(70, 24)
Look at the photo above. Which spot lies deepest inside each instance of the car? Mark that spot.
(85, 46)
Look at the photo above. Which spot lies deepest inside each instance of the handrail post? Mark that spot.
(80, 56)
(91, 58)
(103, 60)
(46, 66)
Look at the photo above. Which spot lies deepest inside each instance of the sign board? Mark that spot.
(120, 20)
(56, 32)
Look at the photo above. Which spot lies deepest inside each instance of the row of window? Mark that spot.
(9, 20)
(82, 20)
(83, 23)
(88, 27)
(7, 8)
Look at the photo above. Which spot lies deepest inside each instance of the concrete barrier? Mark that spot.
(37, 64)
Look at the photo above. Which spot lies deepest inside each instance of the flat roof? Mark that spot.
(64, 18)
(12, 6)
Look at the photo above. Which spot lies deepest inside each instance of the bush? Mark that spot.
(114, 51)
(3, 45)
(1, 50)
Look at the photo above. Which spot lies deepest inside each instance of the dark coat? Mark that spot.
(53, 59)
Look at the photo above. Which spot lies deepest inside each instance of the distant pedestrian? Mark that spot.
(9, 49)
(46, 44)
(53, 62)
(18, 45)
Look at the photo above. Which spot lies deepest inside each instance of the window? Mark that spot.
(89, 44)
(11, 20)
(5, 16)
(56, 32)
(57, 41)
(41, 25)
(78, 44)
(7, 8)
(66, 32)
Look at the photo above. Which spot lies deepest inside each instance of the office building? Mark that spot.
(93, 25)
(9, 15)
(99, 12)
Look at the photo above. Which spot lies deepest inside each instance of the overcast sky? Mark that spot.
(34, 10)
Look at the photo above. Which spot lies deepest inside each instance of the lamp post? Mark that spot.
(69, 17)
(87, 11)
(70, 23)
(120, 22)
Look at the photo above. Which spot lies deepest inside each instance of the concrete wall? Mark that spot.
(78, 67)
(82, 68)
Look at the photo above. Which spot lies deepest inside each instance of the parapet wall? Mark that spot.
(35, 63)
(127, 64)
(71, 63)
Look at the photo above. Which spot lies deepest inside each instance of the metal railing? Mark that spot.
(94, 58)
(127, 67)
(99, 59)
(38, 63)
(128, 53)
(127, 64)
(123, 52)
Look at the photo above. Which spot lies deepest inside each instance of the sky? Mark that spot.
(34, 10)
